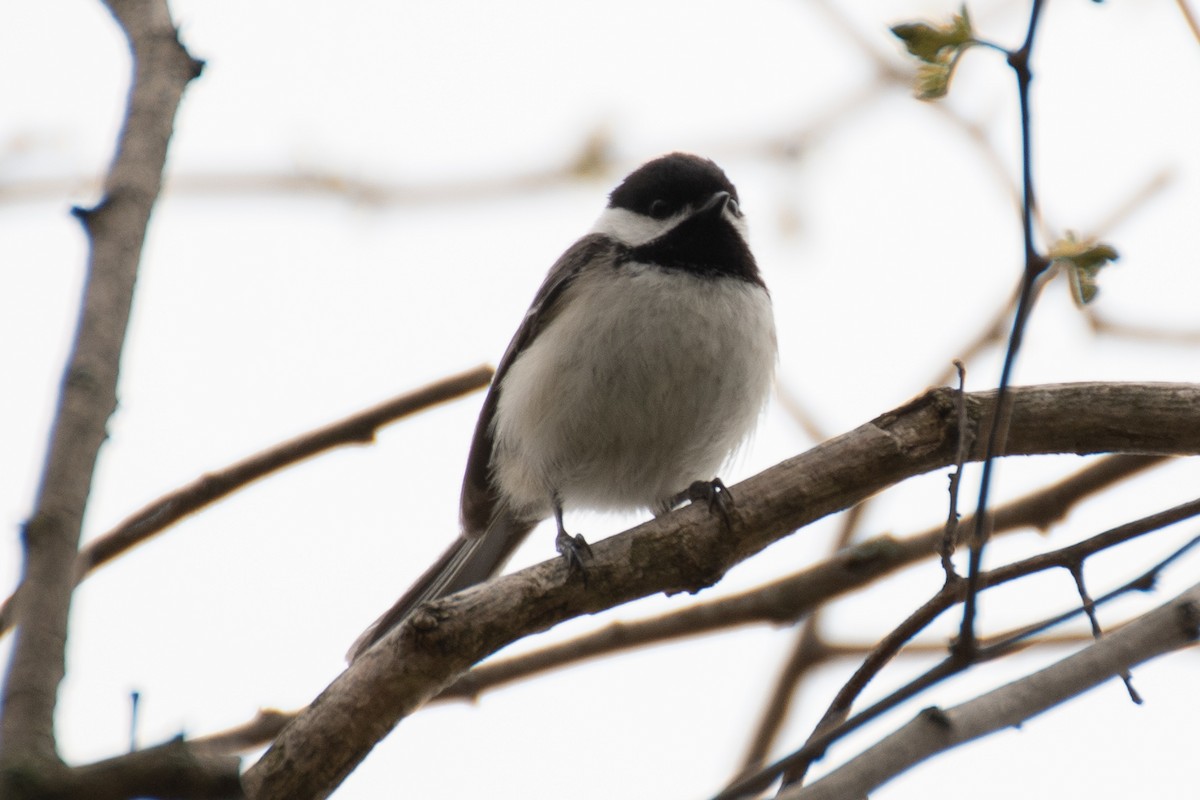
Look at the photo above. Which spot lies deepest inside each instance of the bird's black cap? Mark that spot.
(665, 185)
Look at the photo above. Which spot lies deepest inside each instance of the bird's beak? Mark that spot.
(715, 205)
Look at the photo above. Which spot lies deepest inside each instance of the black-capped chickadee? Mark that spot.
(645, 360)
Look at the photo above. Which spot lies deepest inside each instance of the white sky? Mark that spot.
(887, 244)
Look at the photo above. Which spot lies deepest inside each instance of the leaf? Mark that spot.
(927, 42)
(1083, 260)
(933, 81)
(939, 47)
(1083, 286)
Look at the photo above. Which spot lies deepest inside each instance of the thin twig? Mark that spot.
(267, 723)
(993, 331)
(1171, 626)
(1035, 265)
(592, 157)
(1101, 324)
(265, 726)
(835, 725)
(1089, 608)
(950, 537)
(808, 650)
(791, 405)
(359, 428)
(1189, 16)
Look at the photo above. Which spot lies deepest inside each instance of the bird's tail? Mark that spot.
(470, 560)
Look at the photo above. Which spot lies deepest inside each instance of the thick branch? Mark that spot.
(792, 597)
(1167, 628)
(116, 229)
(689, 550)
(172, 771)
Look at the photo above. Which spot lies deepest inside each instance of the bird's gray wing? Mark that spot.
(480, 504)
(490, 532)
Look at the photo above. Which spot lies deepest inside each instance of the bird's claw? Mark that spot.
(574, 549)
(715, 494)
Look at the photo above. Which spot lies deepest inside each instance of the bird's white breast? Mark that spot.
(644, 382)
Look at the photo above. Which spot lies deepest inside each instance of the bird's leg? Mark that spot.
(714, 493)
(573, 548)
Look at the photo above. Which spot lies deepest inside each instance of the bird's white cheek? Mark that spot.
(633, 229)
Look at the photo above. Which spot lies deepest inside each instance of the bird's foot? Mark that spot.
(574, 549)
(713, 493)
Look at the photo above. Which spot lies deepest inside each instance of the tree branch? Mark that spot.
(834, 724)
(1035, 266)
(116, 229)
(175, 770)
(265, 726)
(792, 597)
(358, 428)
(1170, 627)
(689, 550)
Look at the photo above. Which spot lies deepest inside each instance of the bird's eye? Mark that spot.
(659, 209)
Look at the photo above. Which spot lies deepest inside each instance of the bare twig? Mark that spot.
(265, 726)
(358, 428)
(808, 650)
(1089, 608)
(1170, 627)
(835, 724)
(1101, 324)
(592, 158)
(1035, 265)
(1190, 17)
(992, 333)
(950, 537)
(795, 409)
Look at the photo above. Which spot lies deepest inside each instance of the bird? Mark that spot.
(643, 363)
